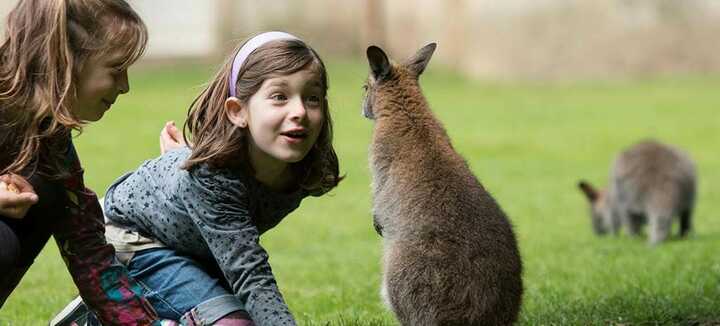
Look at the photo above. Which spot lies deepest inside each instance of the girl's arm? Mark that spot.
(218, 206)
(103, 282)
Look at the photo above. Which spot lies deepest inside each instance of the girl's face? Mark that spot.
(100, 82)
(284, 118)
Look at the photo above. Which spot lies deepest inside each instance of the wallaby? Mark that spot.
(650, 182)
(450, 254)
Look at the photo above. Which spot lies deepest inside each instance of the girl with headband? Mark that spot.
(189, 221)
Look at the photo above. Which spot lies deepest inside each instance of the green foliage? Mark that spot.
(528, 143)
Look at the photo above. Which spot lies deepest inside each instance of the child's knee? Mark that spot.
(224, 310)
(235, 319)
(238, 318)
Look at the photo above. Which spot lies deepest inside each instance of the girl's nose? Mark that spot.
(123, 82)
(297, 110)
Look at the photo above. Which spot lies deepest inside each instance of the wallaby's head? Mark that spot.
(386, 75)
(599, 208)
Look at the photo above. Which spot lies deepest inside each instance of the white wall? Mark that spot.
(5, 6)
(178, 28)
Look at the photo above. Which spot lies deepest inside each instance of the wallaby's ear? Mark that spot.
(420, 60)
(379, 62)
(588, 190)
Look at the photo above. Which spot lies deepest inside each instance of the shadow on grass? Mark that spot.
(702, 237)
(351, 321)
(674, 238)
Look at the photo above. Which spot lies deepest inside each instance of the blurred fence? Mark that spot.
(509, 39)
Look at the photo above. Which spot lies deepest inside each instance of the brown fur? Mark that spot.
(451, 257)
(650, 183)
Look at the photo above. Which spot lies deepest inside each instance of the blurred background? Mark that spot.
(488, 39)
(535, 94)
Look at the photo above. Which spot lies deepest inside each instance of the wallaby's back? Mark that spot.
(652, 176)
(451, 257)
(651, 183)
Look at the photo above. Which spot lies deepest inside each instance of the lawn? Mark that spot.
(528, 143)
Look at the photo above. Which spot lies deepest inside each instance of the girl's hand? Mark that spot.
(170, 138)
(16, 196)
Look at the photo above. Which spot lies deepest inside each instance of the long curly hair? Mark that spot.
(45, 46)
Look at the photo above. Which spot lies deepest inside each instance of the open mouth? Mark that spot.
(107, 103)
(295, 134)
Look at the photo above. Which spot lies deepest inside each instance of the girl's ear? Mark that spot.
(379, 63)
(236, 112)
(420, 60)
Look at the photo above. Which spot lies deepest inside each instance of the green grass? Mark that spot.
(528, 143)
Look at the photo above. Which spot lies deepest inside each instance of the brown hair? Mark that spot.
(45, 46)
(220, 144)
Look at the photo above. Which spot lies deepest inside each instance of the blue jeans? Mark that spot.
(179, 288)
(176, 284)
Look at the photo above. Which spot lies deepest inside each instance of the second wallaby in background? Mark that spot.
(450, 254)
(650, 183)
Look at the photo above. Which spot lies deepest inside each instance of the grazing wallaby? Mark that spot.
(650, 182)
(450, 255)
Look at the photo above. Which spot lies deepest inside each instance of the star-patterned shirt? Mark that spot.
(213, 215)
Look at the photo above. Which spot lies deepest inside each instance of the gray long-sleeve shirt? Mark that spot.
(212, 215)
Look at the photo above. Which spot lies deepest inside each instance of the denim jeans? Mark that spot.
(176, 285)
(179, 288)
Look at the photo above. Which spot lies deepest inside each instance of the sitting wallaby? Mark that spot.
(650, 182)
(450, 254)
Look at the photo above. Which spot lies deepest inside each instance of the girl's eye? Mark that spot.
(314, 100)
(278, 97)
(365, 87)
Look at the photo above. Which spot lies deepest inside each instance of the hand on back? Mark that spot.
(170, 138)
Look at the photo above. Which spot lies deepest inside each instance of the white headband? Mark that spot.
(248, 48)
